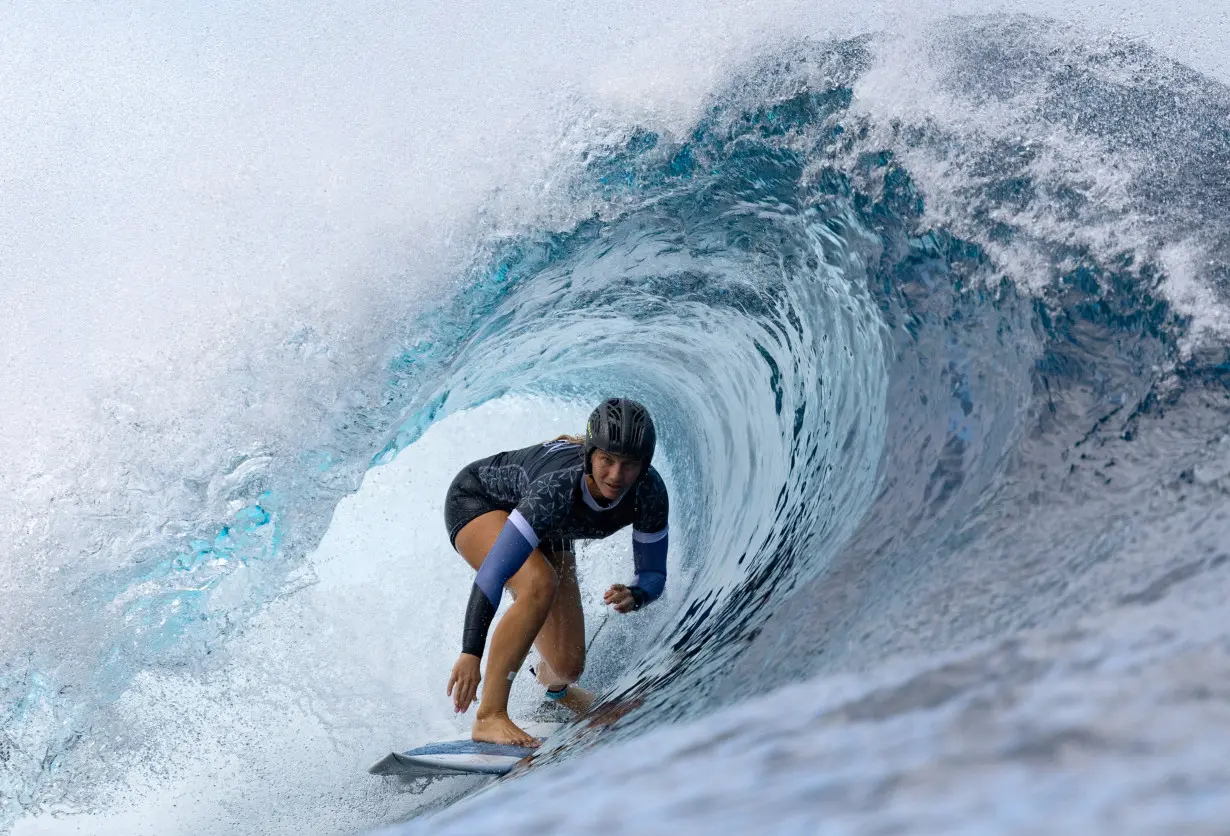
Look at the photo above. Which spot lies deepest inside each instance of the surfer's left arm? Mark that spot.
(649, 543)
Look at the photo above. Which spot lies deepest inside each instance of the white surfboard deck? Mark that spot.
(458, 757)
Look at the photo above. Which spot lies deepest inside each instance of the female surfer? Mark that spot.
(514, 516)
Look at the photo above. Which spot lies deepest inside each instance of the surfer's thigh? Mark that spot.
(475, 540)
(477, 537)
(561, 641)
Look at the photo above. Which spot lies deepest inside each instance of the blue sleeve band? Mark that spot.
(649, 558)
(507, 556)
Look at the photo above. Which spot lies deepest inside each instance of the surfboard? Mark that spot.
(457, 757)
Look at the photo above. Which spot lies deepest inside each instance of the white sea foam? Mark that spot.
(327, 680)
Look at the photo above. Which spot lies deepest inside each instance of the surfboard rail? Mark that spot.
(455, 757)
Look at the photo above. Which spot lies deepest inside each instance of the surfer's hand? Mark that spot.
(620, 597)
(463, 682)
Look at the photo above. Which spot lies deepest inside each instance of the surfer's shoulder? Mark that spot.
(652, 502)
(652, 483)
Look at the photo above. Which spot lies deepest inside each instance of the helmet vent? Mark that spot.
(620, 426)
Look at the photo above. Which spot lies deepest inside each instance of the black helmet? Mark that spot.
(623, 427)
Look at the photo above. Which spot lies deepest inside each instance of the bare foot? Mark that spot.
(498, 728)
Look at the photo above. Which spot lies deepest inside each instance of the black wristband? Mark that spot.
(639, 596)
(479, 613)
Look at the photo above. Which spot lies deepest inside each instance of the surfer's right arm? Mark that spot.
(508, 554)
(545, 503)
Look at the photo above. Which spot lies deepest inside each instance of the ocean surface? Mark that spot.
(930, 303)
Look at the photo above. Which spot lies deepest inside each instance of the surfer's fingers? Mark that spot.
(457, 681)
(616, 589)
(620, 597)
(466, 692)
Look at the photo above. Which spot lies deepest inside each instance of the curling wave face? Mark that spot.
(893, 354)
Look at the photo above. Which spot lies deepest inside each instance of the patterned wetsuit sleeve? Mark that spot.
(649, 539)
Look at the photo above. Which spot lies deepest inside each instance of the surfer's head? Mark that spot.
(619, 444)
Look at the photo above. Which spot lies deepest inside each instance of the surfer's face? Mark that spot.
(614, 474)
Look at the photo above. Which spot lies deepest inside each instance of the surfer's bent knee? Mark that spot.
(536, 581)
(570, 668)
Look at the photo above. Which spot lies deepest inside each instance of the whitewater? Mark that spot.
(929, 302)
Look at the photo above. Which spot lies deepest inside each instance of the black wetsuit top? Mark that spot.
(543, 488)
